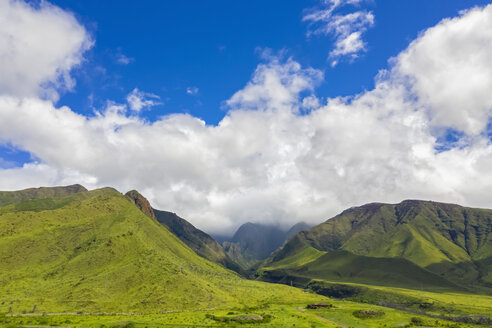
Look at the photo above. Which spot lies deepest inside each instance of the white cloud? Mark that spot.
(351, 44)
(192, 90)
(138, 100)
(270, 161)
(276, 85)
(38, 174)
(38, 48)
(347, 29)
(449, 69)
(123, 59)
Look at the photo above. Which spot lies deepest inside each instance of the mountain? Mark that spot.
(96, 251)
(413, 244)
(296, 228)
(254, 242)
(197, 240)
(258, 240)
(12, 197)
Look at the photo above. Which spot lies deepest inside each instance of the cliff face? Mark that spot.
(141, 202)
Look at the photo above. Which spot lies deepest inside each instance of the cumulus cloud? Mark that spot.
(138, 100)
(281, 154)
(346, 29)
(276, 85)
(449, 70)
(38, 48)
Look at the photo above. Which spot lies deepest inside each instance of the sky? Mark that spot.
(228, 112)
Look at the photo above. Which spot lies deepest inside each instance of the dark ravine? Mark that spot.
(199, 241)
(253, 242)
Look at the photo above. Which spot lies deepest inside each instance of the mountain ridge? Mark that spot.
(17, 196)
(451, 241)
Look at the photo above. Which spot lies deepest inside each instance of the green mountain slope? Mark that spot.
(197, 240)
(343, 266)
(446, 241)
(96, 251)
(12, 197)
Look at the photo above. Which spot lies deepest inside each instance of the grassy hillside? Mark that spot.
(403, 245)
(343, 266)
(96, 251)
(12, 197)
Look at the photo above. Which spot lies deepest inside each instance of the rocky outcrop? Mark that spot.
(141, 202)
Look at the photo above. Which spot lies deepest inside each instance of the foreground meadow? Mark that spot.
(337, 313)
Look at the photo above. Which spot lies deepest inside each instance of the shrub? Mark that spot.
(416, 321)
(242, 319)
(368, 314)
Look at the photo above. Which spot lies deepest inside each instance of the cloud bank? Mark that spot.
(280, 154)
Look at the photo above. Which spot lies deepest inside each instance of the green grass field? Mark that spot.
(446, 303)
(342, 314)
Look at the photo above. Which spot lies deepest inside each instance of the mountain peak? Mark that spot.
(141, 202)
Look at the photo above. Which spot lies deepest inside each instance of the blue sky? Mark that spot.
(265, 111)
(212, 46)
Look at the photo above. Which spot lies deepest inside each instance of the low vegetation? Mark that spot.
(368, 314)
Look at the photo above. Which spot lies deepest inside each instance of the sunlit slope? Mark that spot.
(96, 251)
(450, 242)
(343, 266)
(12, 197)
